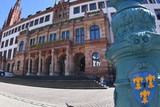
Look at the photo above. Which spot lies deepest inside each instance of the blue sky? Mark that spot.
(28, 6)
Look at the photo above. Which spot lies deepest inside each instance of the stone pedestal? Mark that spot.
(30, 74)
(53, 74)
(136, 55)
(40, 74)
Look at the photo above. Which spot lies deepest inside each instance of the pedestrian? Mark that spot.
(102, 80)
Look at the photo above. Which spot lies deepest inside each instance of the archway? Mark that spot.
(62, 64)
(79, 61)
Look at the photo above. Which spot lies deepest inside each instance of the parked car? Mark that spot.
(2, 73)
(5, 74)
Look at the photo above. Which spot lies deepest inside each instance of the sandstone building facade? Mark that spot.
(52, 43)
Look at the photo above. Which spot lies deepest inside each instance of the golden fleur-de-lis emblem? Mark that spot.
(150, 79)
(138, 80)
(145, 94)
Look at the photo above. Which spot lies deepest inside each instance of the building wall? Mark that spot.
(68, 48)
(14, 35)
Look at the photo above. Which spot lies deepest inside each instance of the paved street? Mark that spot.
(25, 96)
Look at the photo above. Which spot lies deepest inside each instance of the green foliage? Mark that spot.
(23, 32)
(48, 43)
(93, 12)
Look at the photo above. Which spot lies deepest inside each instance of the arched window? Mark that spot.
(95, 60)
(21, 46)
(94, 32)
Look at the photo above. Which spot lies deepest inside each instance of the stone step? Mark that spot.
(61, 84)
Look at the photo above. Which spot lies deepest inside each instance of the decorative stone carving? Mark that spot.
(136, 54)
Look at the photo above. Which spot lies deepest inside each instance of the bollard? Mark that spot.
(136, 55)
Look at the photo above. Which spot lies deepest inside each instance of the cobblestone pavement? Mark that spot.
(25, 96)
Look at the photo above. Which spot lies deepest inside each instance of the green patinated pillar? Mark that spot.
(136, 54)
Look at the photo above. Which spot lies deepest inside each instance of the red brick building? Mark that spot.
(67, 46)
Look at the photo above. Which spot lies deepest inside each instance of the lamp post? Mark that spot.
(136, 55)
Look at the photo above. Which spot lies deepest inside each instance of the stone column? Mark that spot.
(52, 63)
(33, 66)
(29, 65)
(44, 66)
(56, 65)
(67, 65)
(39, 65)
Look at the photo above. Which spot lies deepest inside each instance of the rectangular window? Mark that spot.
(9, 32)
(108, 4)
(40, 40)
(158, 1)
(4, 34)
(31, 24)
(47, 18)
(0, 54)
(6, 43)
(158, 14)
(43, 39)
(41, 20)
(14, 52)
(76, 10)
(63, 35)
(9, 53)
(19, 28)
(93, 6)
(51, 37)
(12, 31)
(16, 40)
(67, 34)
(82, 35)
(27, 25)
(36, 22)
(152, 1)
(5, 53)
(101, 5)
(33, 41)
(84, 8)
(77, 35)
(18, 65)
(145, 2)
(11, 41)
(15, 29)
(2, 44)
(23, 26)
(55, 36)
